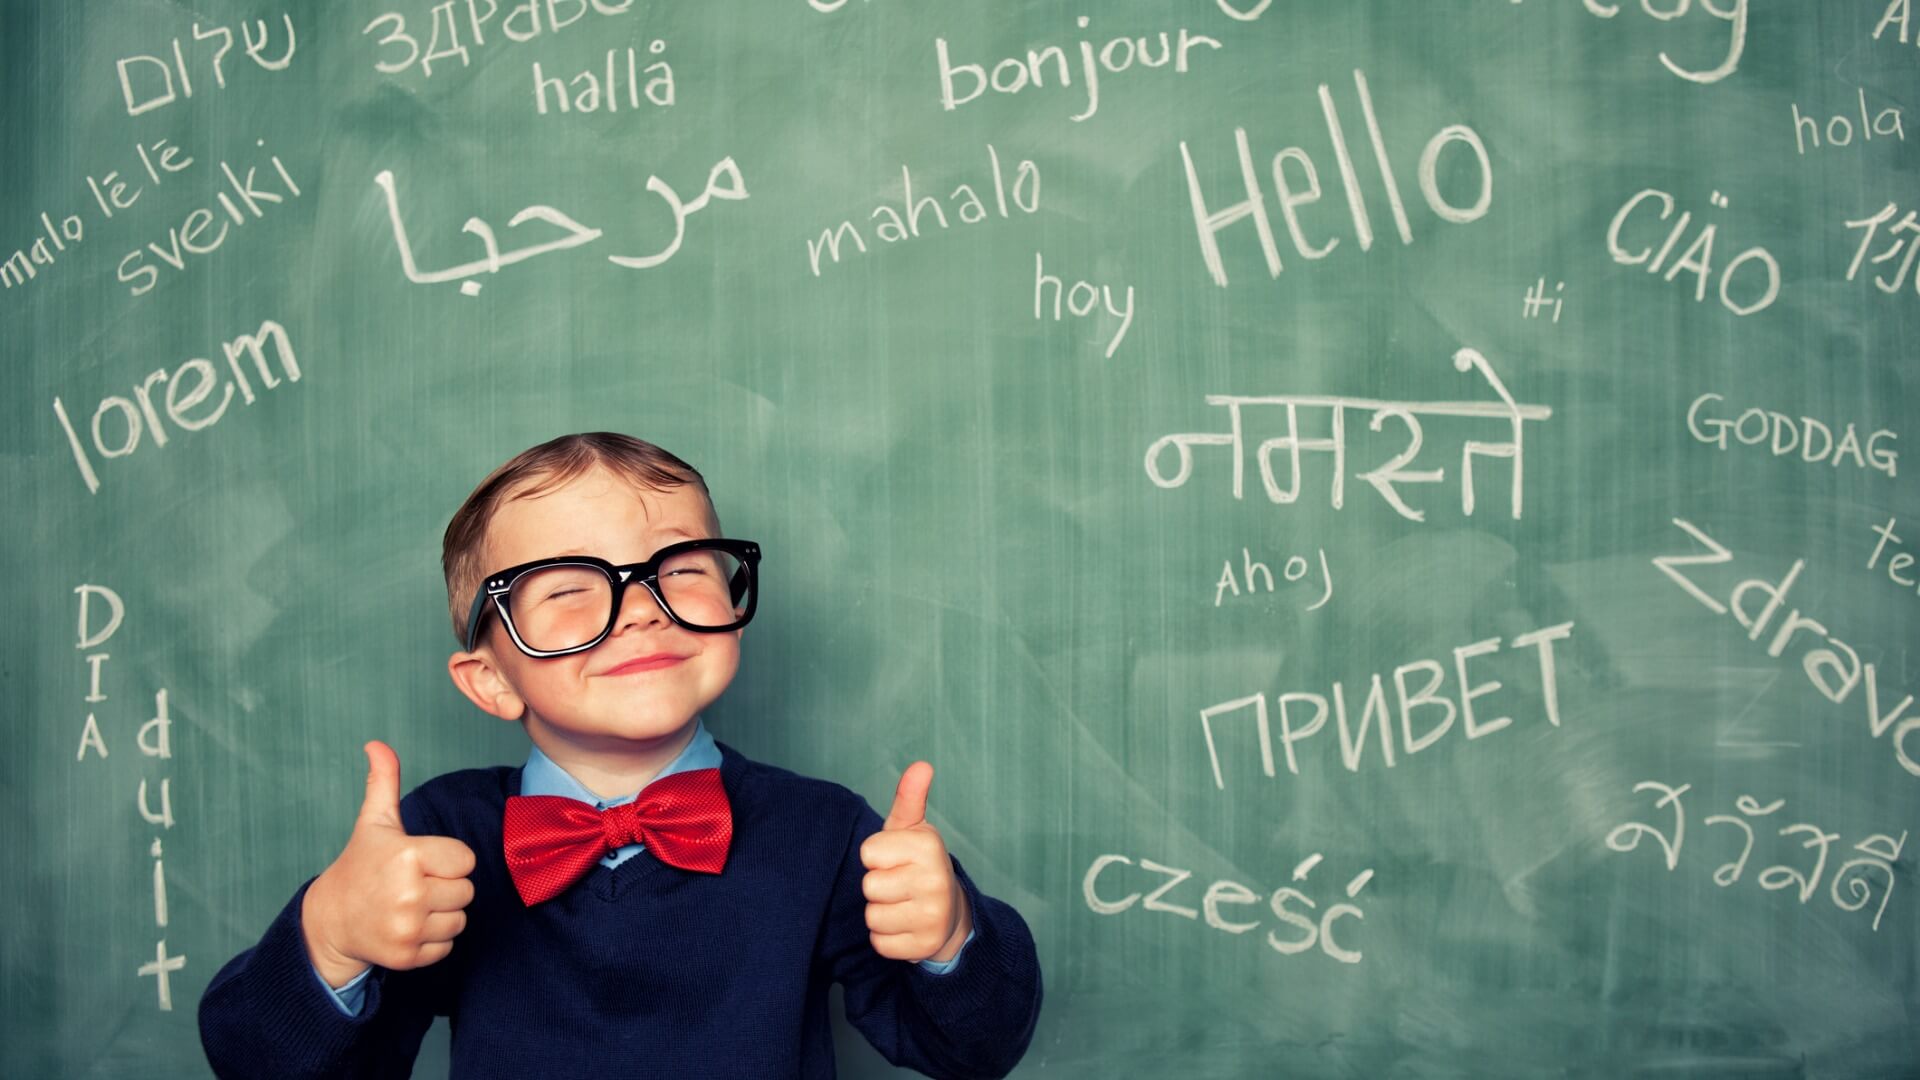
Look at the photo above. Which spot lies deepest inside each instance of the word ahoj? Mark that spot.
(191, 236)
(1870, 228)
(522, 24)
(1735, 14)
(1754, 426)
(110, 192)
(573, 235)
(1698, 256)
(894, 227)
(1877, 853)
(1210, 222)
(1014, 74)
(1309, 931)
(154, 739)
(1374, 713)
(1840, 128)
(188, 389)
(1900, 560)
(254, 38)
(1821, 665)
(1384, 478)
(1294, 569)
(1079, 303)
(588, 86)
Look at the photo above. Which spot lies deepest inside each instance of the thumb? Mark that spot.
(382, 803)
(910, 798)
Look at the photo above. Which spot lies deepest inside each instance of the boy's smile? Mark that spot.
(616, 714)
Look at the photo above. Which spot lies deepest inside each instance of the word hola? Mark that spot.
(895, 227)
(1012, 75)
(188, 389)
(588, 85)
(1900, 560)
(1698, 256)
(1840, 128)
(191, 236)
(1754, 426)
(1308, 931)
(1077, 303)
(1209, 223)
(1822, 665)
(1294, 569)
(153, 95)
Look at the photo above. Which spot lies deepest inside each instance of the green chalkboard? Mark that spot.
(1395, 523)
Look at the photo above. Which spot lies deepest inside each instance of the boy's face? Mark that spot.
(575, 705)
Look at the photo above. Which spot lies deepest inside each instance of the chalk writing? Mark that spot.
(904, 224)
(192, 237)
(1254, 573)
(1875, 856)
(1902, 233)
(112, 195)
(590, 91)
(1079, 299)
(255, 38)
(1014, 74)
(1899, 561)
(1734, 14)
(1698, 256)
(1898, 11)
(1707, 422)
(1806, 129)
(1289, 905)
(1384, 478)
(1538, 301)
(399, 50)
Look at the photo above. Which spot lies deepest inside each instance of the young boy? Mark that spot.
(639, 899)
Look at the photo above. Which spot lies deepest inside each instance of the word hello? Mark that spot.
(1900, 560)
(1077, 302)
(894, 227)
(1012, 75)
(1209, 223)
(188, 388)
(1698, 256)
(1308, 930)
(1756, 426)
(191, 236)
(587, 85)
(1840, 128)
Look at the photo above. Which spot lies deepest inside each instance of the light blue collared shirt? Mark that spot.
(541, 776)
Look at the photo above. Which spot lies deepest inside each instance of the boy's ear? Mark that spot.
(484, 684)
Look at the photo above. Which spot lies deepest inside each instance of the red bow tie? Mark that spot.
(552, 841)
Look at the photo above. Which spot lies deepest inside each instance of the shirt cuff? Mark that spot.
(935, 967)
(350, 997)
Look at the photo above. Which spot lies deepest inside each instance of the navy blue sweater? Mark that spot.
(644, 969)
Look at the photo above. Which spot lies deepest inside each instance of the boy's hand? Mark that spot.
(389, 899)
(916, 909)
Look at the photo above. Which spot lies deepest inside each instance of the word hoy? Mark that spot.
(894, 227)
(588, 86)
(191, 237)
(1080, 299)
(1014, 74)
(1210, 222)
(1823, 666)
(186, 399)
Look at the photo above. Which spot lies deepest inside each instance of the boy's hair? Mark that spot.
(541, 469)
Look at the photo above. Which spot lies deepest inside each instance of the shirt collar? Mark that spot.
(541, 776)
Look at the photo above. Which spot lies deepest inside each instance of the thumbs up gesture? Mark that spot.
(916, 909)
(389, 899)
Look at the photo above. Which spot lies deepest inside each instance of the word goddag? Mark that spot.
(1387, 477)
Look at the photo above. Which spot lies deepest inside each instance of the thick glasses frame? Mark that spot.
(646, 574)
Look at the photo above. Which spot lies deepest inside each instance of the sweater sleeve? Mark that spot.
(973, 1021)
(265, 1013)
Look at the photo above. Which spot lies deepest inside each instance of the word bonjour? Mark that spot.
(521, 25)
(1900, 560)
(1210, 222)
(1384, 478)
(1225, 892)
(254, 46)
(1877, 853)
(1756, 426)
(1374, 713)
(894, 228)
(187, 238)
(188, 388)
(1012, 75)
(1870, 227)
(575, 234)
(1072, 297)
(1294, 569)
(1698, 257)
(1821, 665)
(1840, 128)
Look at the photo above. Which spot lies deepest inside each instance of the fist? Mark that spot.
(389, 899)
(916, 909)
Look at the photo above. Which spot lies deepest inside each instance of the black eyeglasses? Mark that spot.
(569, 604)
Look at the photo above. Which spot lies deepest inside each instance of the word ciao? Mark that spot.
(1374, 713)
(1754, 426)
(1821, 665)
(1294, 569)
(1870, 228)
(1840, 128)
(1900, 560)
(573, 235)
(904, 223)
(521, 24)
(154, 95)
(587, 85)
(1308, 931)
(1698, 256)
(110, 192)
(1012, 75)
(186, 400)
(1210, 222)
(191, 237)
(1384, 478)
(1877, 854)
(154, 739)
(1077, 302)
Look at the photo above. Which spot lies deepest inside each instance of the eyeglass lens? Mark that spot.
(560, 607)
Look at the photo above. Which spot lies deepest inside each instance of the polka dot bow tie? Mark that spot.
(552, 841)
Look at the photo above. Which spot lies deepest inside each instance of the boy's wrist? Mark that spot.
(335, 968)
(951, 948)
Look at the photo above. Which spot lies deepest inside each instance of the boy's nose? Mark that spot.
(639, 608)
